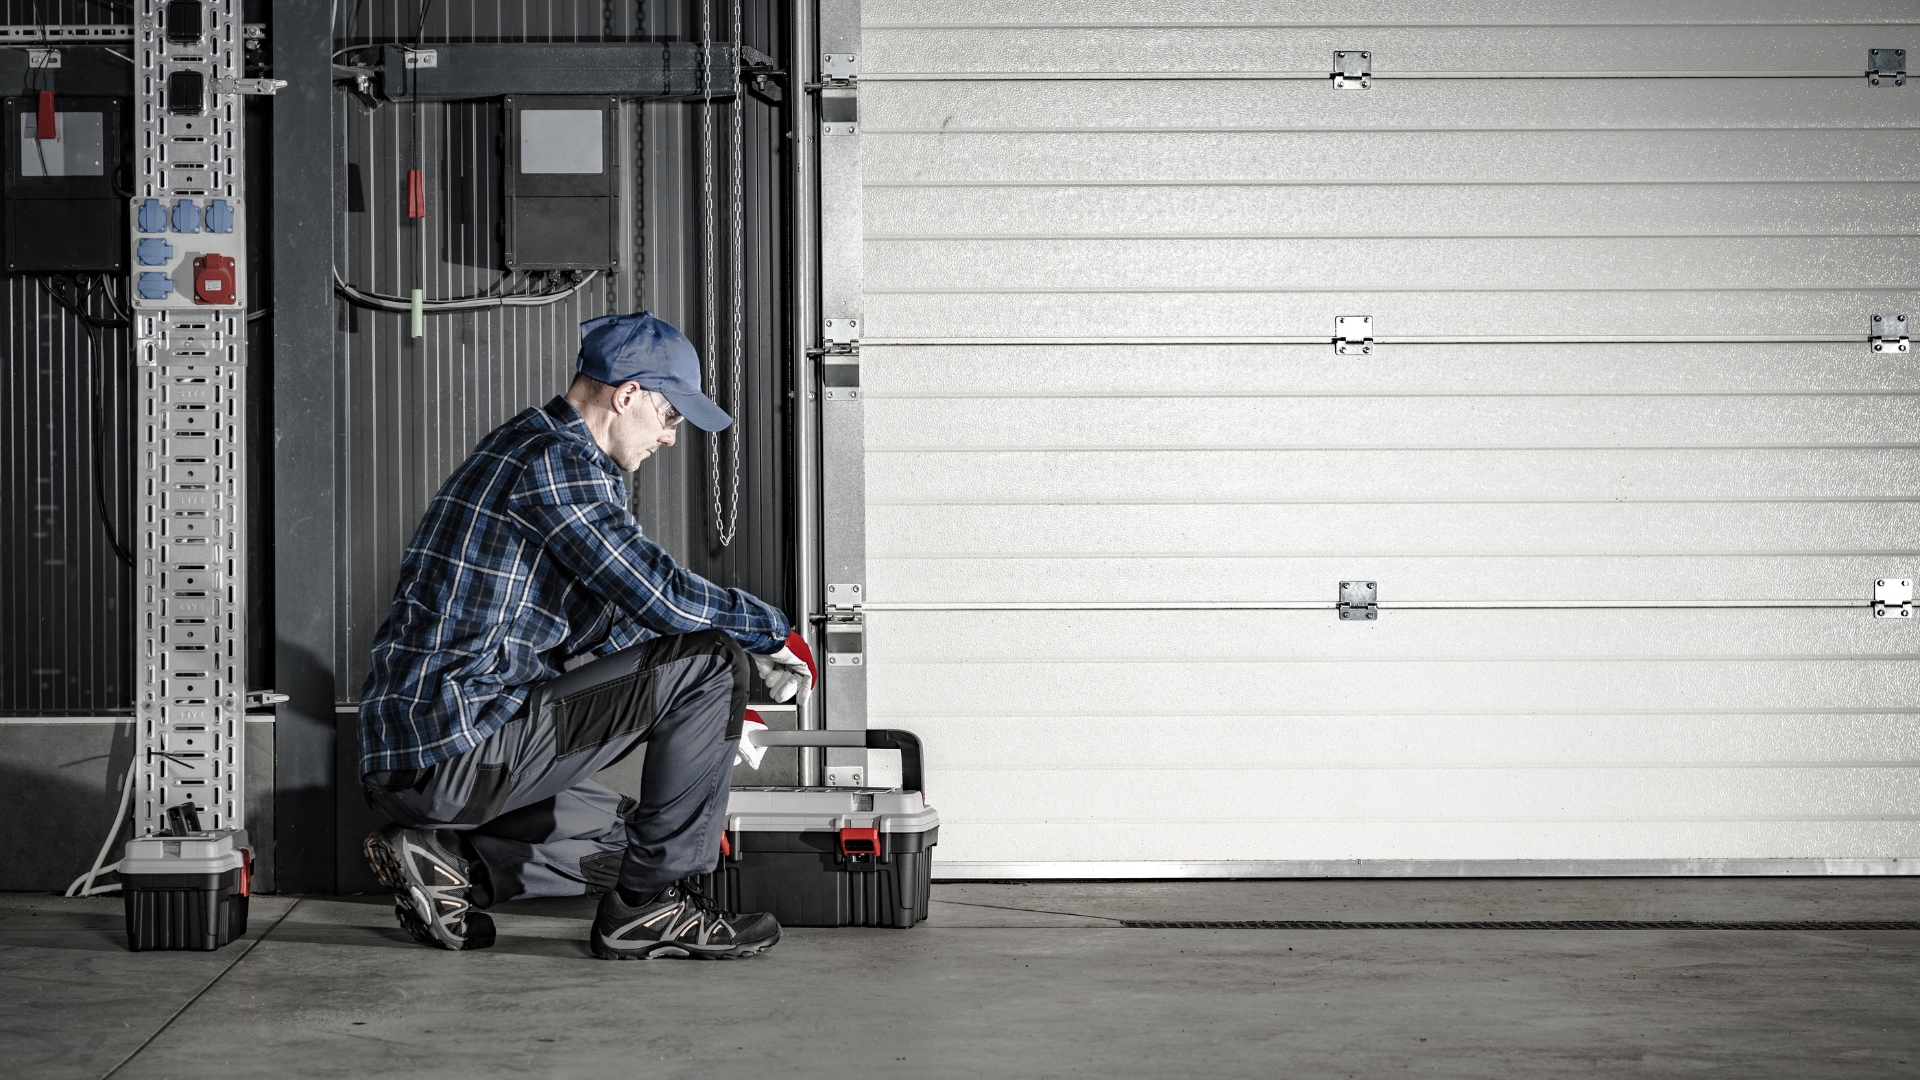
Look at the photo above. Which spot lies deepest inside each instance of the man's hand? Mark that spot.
(750, 751)
(789, 673)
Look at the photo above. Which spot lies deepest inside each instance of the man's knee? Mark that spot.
(727, 667)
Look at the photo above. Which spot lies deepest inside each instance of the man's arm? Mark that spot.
(569, 507)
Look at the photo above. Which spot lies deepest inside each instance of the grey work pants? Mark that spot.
(526, 799)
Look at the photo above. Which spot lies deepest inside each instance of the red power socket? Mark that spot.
(213, 281)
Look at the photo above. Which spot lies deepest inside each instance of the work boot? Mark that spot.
(432, 888)
(678, 921)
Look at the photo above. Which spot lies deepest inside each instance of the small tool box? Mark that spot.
(188, 890)
(831, 856)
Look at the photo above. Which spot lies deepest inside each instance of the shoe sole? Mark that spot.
(392, 872)
(676, 950)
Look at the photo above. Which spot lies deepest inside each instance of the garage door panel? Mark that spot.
(1531, 264)
(1402, 578)
(1113, 423)
(1391, 104)
(1218, 531)
(1156, 637)
(1509, 794)
(1157, 848)
(1174, 316)
(1417, 48)
(964, 372)
(908, 14)
(1281, 741)
(1453, 157)
(1281, 476)
(1462, 209)
(1404, 685)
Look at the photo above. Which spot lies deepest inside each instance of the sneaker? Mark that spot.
(431, 886)
(678, 921)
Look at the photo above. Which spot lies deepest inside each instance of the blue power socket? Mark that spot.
(153, 216)
(155, 251)
(219, 216)
(155, 286)
(186, 216)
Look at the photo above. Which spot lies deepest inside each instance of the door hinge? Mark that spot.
(840, 335)
(1359, 600)
(846, 626)
(1889, 333)
(839, 69)
(1886, 65)
(1353, 70)
(1893, 598)
(843, 597)
(1353, 335)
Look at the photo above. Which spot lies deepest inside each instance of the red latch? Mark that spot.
(859, 841)
(725, 848)
(246, 871)
(213, 280)
(45, 129)
(416, 194)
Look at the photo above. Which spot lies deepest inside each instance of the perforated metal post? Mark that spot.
(189, 296)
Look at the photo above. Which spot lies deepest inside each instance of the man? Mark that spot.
(481, 745)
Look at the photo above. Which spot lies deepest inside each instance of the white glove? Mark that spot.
(786, 674)
(749, 750)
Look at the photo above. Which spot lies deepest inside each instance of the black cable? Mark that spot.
(99, 451)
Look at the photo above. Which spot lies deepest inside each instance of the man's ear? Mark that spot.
(624, 396)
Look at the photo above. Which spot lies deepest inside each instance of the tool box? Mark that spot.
(186, 891)
(831, 856)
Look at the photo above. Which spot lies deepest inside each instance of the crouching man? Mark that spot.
(481, 746)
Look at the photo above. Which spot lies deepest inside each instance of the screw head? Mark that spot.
(1882, 581)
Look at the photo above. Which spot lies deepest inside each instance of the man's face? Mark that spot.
(643, 422)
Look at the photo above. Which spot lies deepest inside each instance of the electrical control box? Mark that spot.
(189, 223)
(560, 187)
(63, 214)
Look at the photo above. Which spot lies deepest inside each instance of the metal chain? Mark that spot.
(732, 524)
(711, 339)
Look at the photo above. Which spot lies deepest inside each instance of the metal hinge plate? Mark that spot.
(840, 335)
(1893, 598)
(1359, 600)
(1353, 70)
(842, 596)
(1886, 65)
(1889, 333)
(422, 58)
(1353, 335)
(839, 69)
(43, 58)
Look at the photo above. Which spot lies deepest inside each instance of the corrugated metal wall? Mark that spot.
(65, 597)
(1098, 240)
(413, 409)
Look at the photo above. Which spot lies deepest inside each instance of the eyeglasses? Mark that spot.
(669, 416)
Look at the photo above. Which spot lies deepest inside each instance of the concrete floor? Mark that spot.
(1007, 980)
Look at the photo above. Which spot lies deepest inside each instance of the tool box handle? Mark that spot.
(906, 742)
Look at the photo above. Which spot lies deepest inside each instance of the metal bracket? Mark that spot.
(1359, 600)
(1893, 598)
(840, 335)
(839, 69)
(260, 699)
(842, 597)
(1889, 333)
(1886, 64)
(1353, 70)
(1353, 335)
(66, 33)
(422, 58)
(267, 87)
(846, 776)
(43, 58)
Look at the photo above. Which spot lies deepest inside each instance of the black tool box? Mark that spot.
(186, 892)
(831, 856)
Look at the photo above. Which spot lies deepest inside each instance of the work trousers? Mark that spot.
(526, 800)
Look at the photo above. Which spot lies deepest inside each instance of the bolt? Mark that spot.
(1882, 581)
(1876, 318)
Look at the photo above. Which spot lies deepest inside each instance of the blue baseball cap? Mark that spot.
(654, 353)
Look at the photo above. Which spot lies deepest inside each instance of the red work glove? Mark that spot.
(789, 673)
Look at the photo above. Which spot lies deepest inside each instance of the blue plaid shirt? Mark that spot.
(527, 557)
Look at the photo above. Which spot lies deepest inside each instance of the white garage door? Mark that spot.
(1621, 430)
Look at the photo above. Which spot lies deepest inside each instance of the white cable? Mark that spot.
(113, 833)
(395, 303)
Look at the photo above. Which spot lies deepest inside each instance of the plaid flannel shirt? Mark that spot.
(526, 558)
